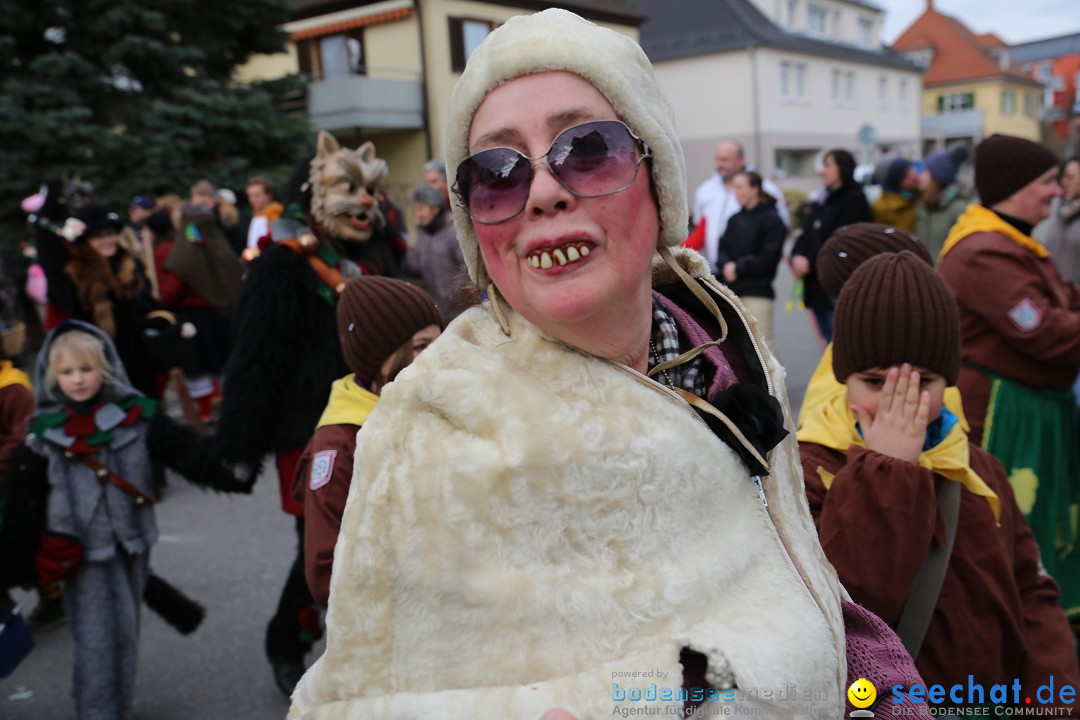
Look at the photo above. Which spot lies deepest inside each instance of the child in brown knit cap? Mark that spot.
(847, 249)
(890, 475)
(383, 325)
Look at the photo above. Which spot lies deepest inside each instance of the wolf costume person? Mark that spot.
(286, 353)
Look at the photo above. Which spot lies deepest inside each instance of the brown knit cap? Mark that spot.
(852, 245)
(376, 316)
(895, 309)
(1005, 164)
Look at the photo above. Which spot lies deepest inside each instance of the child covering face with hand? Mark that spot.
(877, 455)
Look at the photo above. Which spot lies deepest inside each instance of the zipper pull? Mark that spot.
(756, 479)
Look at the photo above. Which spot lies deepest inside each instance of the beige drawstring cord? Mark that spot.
(493, 300)
(698, 291)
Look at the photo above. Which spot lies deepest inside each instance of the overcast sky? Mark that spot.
(1014, 21)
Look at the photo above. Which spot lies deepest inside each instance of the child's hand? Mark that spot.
(899, 427)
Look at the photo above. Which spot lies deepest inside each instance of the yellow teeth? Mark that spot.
(546, 259)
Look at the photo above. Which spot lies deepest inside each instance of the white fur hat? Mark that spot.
(614, 64)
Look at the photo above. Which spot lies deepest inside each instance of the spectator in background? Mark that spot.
(751, 249)
(205, 195)
(436, 257)
(899, 194)
(1061, 231)
(131, 237)
(1020, 335)
(111, 291)
(210, 346)
(264, 209)
(435, 176)
(943, 200)
(139, 209)
(844, 204)
(715, 201)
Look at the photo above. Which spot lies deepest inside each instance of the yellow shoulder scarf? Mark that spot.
(833, 426)
(349, 404)
(982, 219)
(11, 375)
(823, 385)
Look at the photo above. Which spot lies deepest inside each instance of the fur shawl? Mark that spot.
(97, 286)
(526, 522)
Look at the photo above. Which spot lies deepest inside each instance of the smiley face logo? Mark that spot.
(862, 693)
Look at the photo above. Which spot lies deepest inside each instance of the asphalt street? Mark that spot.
(232, 554)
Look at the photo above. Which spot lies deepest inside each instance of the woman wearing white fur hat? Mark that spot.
(563, 498)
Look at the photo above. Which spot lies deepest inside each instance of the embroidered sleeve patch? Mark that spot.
(1025, 315)
(322, 467)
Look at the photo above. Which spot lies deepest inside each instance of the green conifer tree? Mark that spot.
(139, 96)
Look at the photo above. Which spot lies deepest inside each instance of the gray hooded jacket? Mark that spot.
(99, 514)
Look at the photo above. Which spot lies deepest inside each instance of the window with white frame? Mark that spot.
(922, 58)
(785, 80)
(1031, 104)
(836, 23)
(902, 96)
(332, 55)
(849, 87)
(836, 86)
(882, 92)
(800, 81)
(791, 8)
(795, 162)
(864, 36)
(1008, 102)
(816, 17)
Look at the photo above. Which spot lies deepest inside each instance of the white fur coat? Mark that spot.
(527, 523)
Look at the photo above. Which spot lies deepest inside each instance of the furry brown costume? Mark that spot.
(286, 352)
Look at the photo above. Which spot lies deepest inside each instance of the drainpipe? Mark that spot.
(756, 110)
(423, 81)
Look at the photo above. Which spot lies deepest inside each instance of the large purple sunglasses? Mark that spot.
(590, 160)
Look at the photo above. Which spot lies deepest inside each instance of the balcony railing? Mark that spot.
(961, 123)
(359, 101)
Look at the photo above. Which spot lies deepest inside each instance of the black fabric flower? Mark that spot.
(758, 416)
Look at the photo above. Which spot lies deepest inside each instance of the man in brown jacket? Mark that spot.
(1020, 344)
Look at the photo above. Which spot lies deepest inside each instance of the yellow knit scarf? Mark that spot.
(833, 426)
(823, 385)
(982, 219)
(349, 404)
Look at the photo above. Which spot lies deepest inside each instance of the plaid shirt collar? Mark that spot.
(664, 346)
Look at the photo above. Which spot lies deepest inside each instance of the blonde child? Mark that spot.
(878, 457)
(98, 435)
